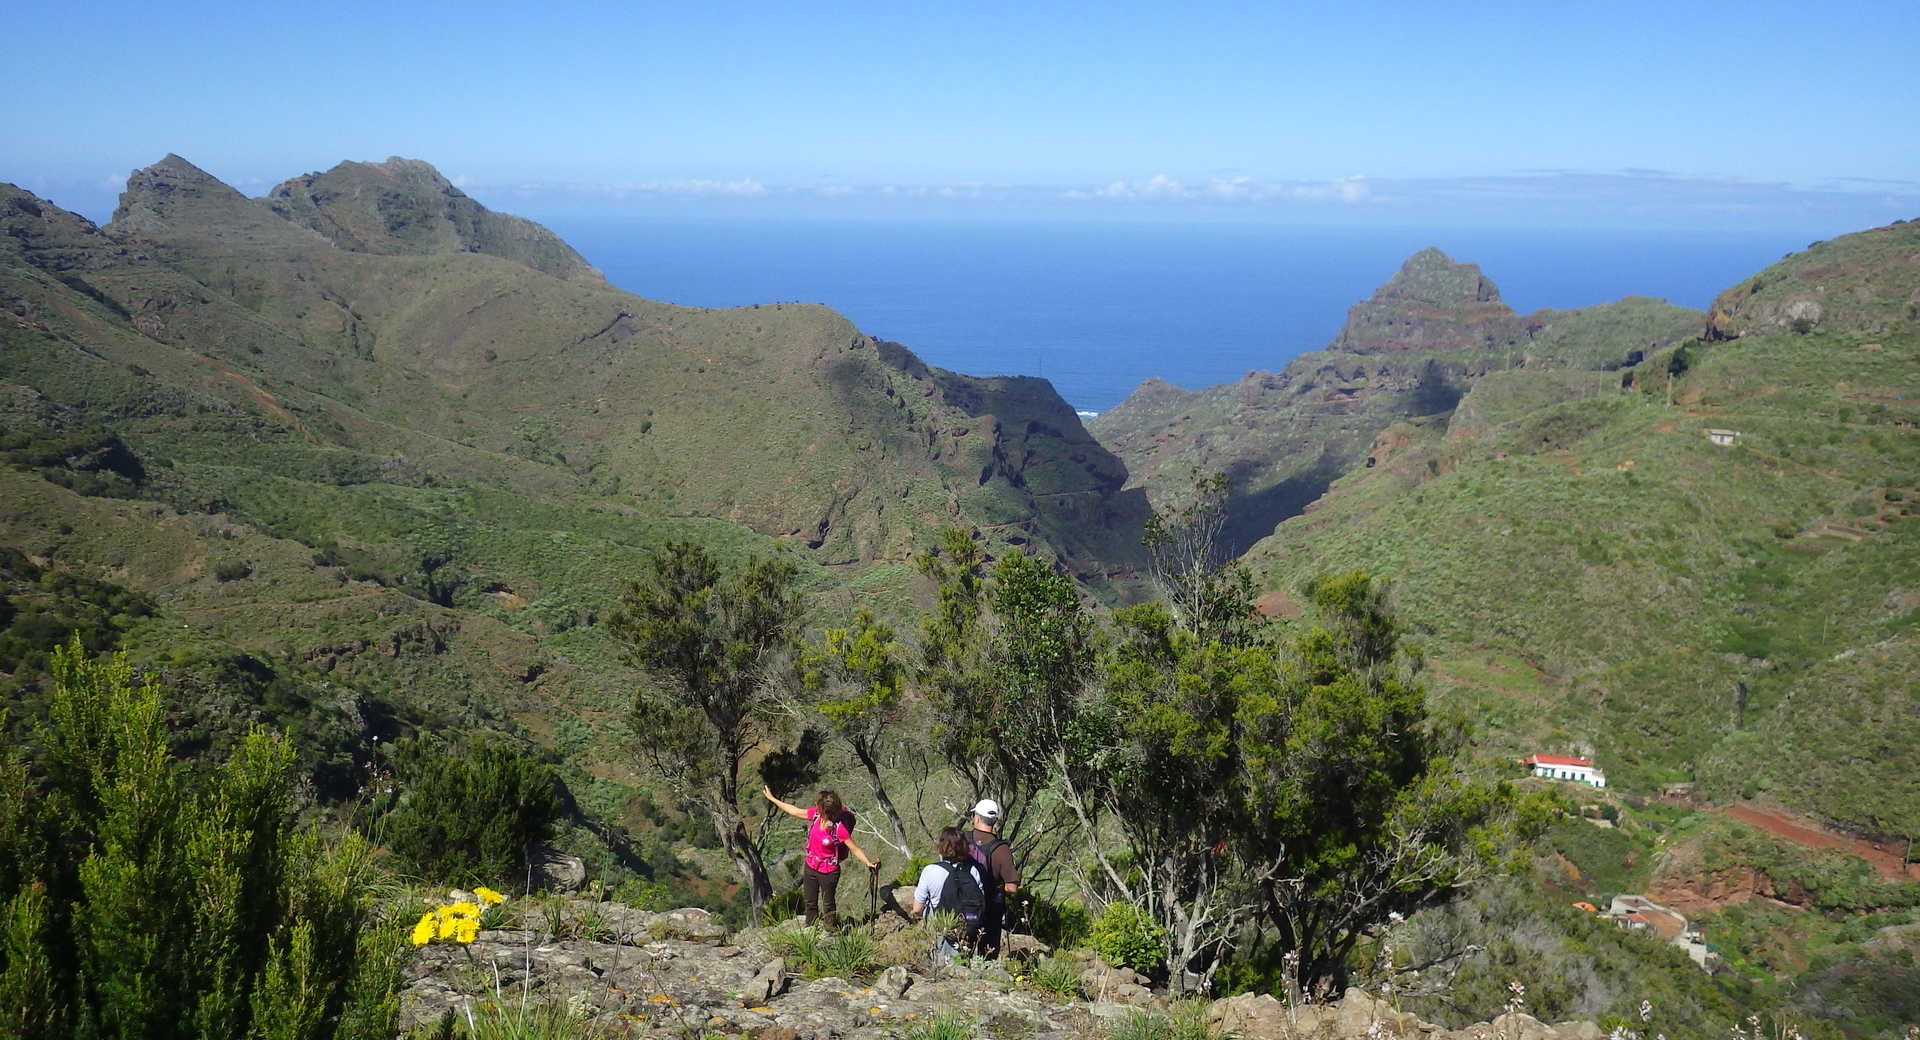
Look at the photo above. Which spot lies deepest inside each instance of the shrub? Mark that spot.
(1124, 936)
(472, 817)
(232, 570)
(135, 895)
(1062, 926)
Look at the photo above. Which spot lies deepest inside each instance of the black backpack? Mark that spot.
(962, 895)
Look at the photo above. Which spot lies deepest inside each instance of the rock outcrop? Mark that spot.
(681, 972)
(1433, 303)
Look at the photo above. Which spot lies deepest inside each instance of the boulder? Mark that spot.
(1518, 1025)
(555, 871)
(894, 982)
(1255, 1016)
(765, 985)
(1359, 1014)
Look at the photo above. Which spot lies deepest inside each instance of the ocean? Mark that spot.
(1096, 309)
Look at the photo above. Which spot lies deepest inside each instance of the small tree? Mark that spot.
(707, 642)
(1157, 762)
(1209, 596)
(1355, 807)
(1004, 662)
(1296, 782)
(858, 680)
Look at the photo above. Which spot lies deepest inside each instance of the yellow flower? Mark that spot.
(423, 932)
(466, 930)
(462, 910)
(448, 925)
(489, 896)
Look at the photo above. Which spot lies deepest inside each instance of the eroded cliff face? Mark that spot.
(1433, 303)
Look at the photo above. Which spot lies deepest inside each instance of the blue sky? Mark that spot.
(1686, 115)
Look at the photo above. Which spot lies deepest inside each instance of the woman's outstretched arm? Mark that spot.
(786, 807)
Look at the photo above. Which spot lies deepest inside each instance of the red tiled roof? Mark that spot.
(1557, 760)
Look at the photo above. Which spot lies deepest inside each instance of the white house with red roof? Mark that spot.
(1566, 767)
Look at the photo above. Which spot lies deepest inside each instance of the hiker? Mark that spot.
(1003, 879)
(954, 883)
(829, 839)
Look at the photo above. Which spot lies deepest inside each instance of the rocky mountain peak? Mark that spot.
(1433, 303)
(157, 193)
(1433, 277)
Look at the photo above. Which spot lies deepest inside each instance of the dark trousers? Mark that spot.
(820, 891)
(992, 917)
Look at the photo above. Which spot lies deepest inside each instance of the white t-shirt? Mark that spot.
(933, 878)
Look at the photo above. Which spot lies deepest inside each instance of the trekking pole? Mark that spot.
(873, 892)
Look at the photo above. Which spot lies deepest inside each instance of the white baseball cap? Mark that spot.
(987, 809)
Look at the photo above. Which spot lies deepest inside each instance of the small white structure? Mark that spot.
(1566, 767)
(1724, 438)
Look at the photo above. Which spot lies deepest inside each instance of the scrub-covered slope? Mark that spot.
(1704, 566)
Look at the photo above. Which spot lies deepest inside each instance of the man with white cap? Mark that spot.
(1003, 878)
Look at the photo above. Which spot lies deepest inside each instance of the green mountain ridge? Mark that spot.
(431, 340)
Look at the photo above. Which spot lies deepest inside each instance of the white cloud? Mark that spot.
(1158, 186)
(1161, 187)
(743, 187)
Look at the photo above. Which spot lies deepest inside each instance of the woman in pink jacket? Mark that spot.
(829, 839)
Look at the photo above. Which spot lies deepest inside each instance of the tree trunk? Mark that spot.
(746, 858)
(880, 796)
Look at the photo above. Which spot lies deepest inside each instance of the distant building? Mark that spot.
(1565, 767)
(1724, 438)
(1644, 915)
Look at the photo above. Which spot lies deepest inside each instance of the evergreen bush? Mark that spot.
(469, 818)
(1124, 936)
(138, 897)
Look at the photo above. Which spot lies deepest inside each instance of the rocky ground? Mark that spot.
(617, 971)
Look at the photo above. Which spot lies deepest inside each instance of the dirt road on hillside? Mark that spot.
(1884, 858)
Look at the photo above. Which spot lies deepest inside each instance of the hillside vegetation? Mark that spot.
(1597, 574)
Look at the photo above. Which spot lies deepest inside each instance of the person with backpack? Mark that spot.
(829, 839)
(995, 857)
(952, 883)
